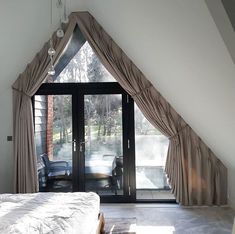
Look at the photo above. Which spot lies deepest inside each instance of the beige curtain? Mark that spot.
(25, 168)
(197, 177)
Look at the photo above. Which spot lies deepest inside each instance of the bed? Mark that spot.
(51, 213)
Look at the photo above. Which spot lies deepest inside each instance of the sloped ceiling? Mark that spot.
(223, 13)
(230, 9)
(179, 48)
(176, 44)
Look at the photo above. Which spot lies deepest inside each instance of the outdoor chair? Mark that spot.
(115, 181)
(117, 173)
(55, 169)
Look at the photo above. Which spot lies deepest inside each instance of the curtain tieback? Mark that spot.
(175, 137)
(142, 91)
(22, 92)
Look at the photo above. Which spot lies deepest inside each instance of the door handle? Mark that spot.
(74, 145)
(81, 145)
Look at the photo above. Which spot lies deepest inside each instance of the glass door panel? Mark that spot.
(85, 132)
(151, 180)
(53, 136)
(103, 144)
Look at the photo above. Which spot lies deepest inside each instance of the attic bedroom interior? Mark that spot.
(117, 116)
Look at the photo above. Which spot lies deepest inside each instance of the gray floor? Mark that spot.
(154, 194)
(173, 219)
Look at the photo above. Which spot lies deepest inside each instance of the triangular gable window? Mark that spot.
(79, 63)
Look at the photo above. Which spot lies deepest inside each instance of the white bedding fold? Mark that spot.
(49, 213)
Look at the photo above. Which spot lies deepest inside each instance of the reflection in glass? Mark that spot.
(103, 144)
(53, 136)
(151, 181)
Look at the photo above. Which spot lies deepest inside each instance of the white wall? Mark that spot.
(179, 48)
(228, 34)
(175, 43)
(25, 27)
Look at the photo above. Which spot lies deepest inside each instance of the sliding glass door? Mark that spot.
(103, 143)
(88, 140)
(151, 180)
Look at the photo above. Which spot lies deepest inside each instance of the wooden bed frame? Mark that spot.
(100, 228)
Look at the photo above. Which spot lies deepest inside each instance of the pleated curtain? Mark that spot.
(25, 165)
(196, 175)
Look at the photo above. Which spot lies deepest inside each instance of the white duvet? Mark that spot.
(49, 213)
